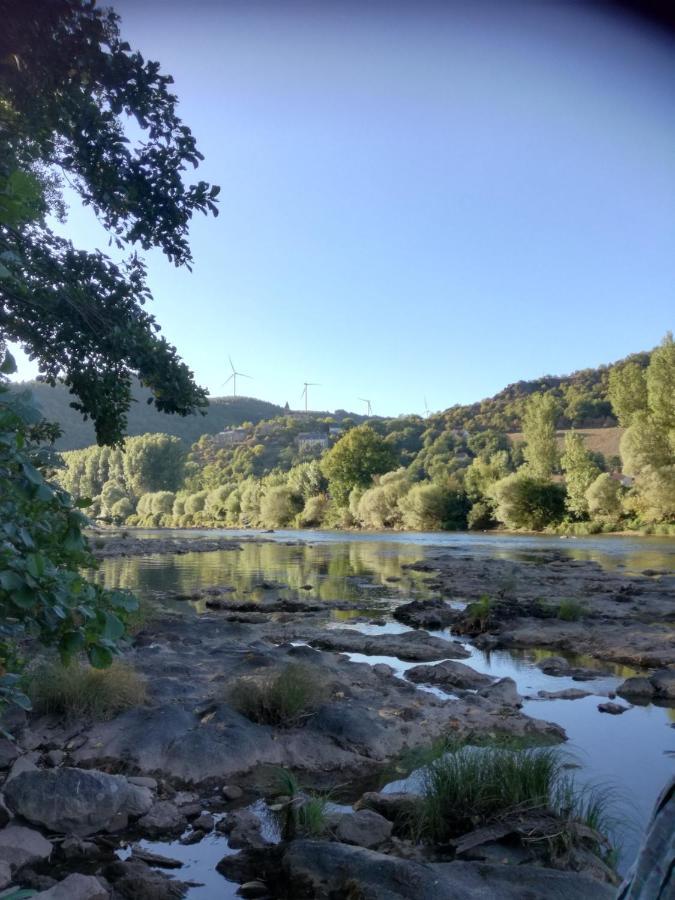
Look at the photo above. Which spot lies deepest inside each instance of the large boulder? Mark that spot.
(503, 692)
(20, 846)
(317, 869)
(433, 613)
(75, 801)
(163, 818)
(664, 684)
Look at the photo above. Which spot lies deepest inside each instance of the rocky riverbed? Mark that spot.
(145, 804)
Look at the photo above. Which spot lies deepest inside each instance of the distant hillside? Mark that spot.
(582, 399)
(598, 440)
(222, 412)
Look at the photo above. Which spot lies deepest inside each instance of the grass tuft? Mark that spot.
(477, 614)
(302, 813)
(283, 699)
(570, 610)
(79, 691)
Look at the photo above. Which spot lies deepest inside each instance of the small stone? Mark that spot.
(205, 822)
(191, 810)
(614, 709)
(253, 889)
(365, 828)
(193, 837)
(232, 792)
(163, 818)
(54, 758)
(142, 781)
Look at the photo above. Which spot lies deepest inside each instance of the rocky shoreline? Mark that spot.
(189, 763)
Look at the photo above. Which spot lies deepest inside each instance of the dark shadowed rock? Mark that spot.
(636, 688)
(163, 818)
(567, 694)
(663, 682)
(75, 801)
(434, 613)
(503, 692)
(614, 709)
(399, 807)
(244, 829)
(365, 828)
(76, 887)
(20, 846)
(134, 880)
(411, 645)
(449, 674)
(315, 869)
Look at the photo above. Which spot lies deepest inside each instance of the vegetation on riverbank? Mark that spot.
(408, 473)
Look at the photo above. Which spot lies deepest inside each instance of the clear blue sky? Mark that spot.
(416, 200)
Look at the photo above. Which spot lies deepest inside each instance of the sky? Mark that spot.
(417, 200)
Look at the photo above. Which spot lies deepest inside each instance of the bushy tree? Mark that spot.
(68, 84)
(430, 506)
(603, 497)
(314, 512)
(279, 506)
(378, 507)
(524, 502)
(541, 450)
(580, 472)
(627, 391)
(353, 461)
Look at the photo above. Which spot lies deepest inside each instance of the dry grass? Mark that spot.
(599, 440)
(285, 698)
(79, 691)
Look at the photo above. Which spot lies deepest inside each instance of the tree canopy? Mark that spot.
(71, 93)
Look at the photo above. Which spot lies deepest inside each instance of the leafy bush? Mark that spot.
(429, 506)
(43, 550)
(78, 691)
(279, 507)
(477, 614)
(283, 699)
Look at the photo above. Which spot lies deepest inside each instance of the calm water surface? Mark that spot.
(633, 753)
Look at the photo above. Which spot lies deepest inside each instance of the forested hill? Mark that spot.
(582, 400)
(581, 397)
(222, 412)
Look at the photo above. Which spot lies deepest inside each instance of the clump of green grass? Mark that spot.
(474, 787)
(283, 699)
(570, 610)
(301, 813)
(80, 691)
(477, 614)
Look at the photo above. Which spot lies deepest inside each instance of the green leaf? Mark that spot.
(11, 581)
(71, 642)
(100, 657)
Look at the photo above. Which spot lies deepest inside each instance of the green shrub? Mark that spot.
(570, 610)
(524, 502)
(79, 691)
(477, 614)
(300, 813)
(283, 699)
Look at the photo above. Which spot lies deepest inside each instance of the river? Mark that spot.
(632, 753)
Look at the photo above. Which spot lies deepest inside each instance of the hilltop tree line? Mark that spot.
(406, 473)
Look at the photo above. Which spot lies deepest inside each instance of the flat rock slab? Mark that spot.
(412, 646)
(449, 674)
(332, 869)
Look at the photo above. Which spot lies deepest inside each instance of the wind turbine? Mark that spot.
(233, 377)
(426, 407)
(305, 392)
(369, 408)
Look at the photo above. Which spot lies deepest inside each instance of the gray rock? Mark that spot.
(243, 828)
(204, 821)
(332, 869)
(75, 848)
(554, 665)
(449, 674)
(232, 792)
(411, 645)
(54, 758)
(251, 890)
(567, 694)
(5, 875)
(664, 684)
(142, 781)
(8, 752)
(163, 818)
(614, 709)
(25, 763)
(75, 801)
(20, 846)
(365, 828)
(433, 613)
(399, 807)
(504, 692)
(76, 887)
(636, 687)
(134, 880)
